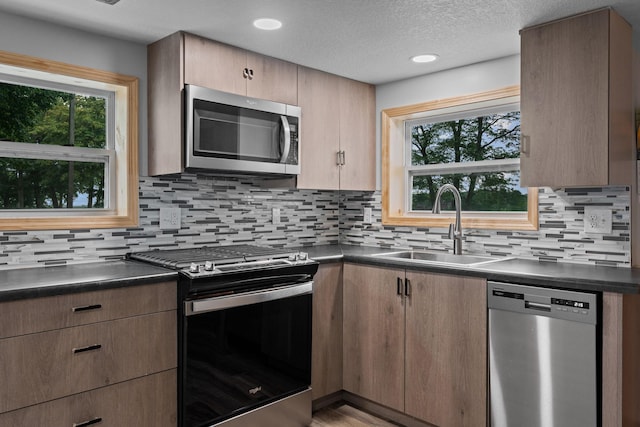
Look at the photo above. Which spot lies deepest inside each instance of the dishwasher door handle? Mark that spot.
(537, 306)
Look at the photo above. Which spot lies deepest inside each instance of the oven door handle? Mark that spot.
(220, 303)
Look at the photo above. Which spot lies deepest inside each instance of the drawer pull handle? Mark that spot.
(88, 423)
(87, 348)
(86, 308)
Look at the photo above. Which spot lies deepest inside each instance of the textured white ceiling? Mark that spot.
(368, 40)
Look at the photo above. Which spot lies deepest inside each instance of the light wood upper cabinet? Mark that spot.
(184, 58)
(320, 132)
(338, 124)
(230, 69)
(357, 135)
(326, 361)
(420, 350)
(576, 102)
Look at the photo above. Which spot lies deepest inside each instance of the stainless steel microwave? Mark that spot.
(237, 134)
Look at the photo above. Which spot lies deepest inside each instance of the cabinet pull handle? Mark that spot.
(340, 158)
(343, 158)
(87, 348)
(399, 290)
(407, 287)
(88, 423)
(247, 73)
(524, 144)
(86, 308)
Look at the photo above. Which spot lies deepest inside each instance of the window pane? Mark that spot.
(43, 116)
(43, 184)
(493, 192)
(490, 137)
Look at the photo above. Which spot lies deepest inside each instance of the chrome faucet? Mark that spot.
(455, 231)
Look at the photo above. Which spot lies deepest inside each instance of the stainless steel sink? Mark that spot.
(439, 257)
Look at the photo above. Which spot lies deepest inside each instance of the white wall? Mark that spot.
(49, 41)
(466, 80)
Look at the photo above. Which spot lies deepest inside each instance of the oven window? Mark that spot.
(243, 357)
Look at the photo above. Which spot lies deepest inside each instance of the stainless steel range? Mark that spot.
(244, 334)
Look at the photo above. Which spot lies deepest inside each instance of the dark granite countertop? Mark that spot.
(46, 281)
(526, 272)
(21, 283)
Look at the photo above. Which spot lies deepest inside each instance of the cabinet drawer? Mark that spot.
(62, 311)
(143, 402)
(36, 368)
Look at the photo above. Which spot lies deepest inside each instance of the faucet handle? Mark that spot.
(452, 231)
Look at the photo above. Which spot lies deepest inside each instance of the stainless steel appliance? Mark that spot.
(237, 134)
(543, 357)
(244, 335)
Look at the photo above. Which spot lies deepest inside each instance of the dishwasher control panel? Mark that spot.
(558, 303)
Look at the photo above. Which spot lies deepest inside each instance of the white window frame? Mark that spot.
(120, 156)
(397, 171)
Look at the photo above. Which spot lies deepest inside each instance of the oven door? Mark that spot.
(244, 351)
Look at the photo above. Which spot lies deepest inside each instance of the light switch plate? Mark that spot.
(597, 220)
(367, 215)
(275, 215)
(170, 218)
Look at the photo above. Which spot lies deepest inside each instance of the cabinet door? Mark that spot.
(29, 316)
(373, 357)
(357, 135)
(149, 401)
(565, 102)
(446, 364)
(39, 367)
(272, 79)
(319, 130)
(214, 65)
(326, 362)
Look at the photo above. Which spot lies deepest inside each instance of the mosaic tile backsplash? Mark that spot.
(561, 236)
(218, 210)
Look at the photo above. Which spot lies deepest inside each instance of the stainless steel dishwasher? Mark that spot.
(543, 357)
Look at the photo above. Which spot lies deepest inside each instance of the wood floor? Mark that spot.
(342, 415)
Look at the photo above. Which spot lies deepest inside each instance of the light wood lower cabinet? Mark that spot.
(417, 345)
(373, 355)
(147, 401)
(326, 361)
(73, 358)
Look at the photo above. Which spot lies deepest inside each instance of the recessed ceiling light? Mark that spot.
(421, 59)
(111, 2)
(267, 24)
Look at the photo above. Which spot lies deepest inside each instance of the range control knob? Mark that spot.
(194, 268)
(303, 256)
(209, 266)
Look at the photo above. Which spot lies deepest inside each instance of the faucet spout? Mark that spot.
(455, 231)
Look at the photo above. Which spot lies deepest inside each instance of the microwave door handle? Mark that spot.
(287, 138)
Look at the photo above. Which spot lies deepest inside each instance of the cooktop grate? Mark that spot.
(182, 258)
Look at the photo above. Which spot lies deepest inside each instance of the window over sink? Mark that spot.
(472, 142)
(68, 146)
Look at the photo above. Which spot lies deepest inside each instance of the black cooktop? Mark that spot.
(229, 254)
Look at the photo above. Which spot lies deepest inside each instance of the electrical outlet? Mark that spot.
(275, 215)
(597, 220)
(367, 216)
(170, 218)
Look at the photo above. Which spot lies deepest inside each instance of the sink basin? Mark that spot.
(439, 257)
